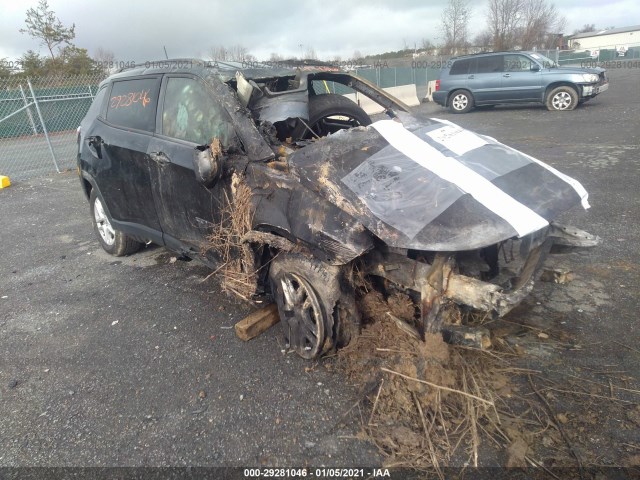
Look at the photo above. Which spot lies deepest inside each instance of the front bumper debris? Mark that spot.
(440, 281)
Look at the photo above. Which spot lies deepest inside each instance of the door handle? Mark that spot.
(506, 75)
(471, 77)
(159, 157)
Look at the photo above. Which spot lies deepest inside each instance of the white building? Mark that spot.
(620, 39)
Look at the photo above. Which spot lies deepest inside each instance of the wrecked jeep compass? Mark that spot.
(291, 192)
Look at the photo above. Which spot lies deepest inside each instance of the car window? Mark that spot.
(517, 63)
(460, 67)
(191, 113)
(491, 64)
(133, 103)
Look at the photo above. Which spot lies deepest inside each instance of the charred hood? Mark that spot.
(433, 185)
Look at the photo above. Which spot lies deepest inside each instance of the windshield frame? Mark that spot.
(544, 61)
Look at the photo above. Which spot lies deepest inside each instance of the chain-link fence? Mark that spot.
(38, 122)
(594, 56)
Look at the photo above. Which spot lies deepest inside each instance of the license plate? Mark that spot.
(603, 88)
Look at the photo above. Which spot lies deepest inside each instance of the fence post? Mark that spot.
(44, 127)
(26, 104)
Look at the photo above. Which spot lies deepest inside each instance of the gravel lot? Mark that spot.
(133, 361)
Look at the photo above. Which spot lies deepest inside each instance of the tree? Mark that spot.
(524, 23)
(238, 53)
(427, 45)
(484, 40)
(5, 71)
(541, 24)
(310, 54)
(586, 28)
(218, 53)
(104, 59)
(504, 18)
(42, 23)
(32, 63)
(455, 25)
(76, 61)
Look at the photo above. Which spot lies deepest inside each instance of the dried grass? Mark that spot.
(239, 275)
(434, 405)
(432, 402)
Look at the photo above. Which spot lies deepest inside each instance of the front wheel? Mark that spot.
(113, 241)
(461, 101)
(306, 292)
(562, 99)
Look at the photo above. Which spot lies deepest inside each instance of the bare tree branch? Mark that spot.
(455, 23)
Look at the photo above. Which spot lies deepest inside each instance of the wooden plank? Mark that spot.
(257, 322)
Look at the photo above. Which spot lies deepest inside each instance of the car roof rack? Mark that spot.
(489, 52)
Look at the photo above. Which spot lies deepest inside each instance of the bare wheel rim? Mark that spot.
(460, 101)
(561, 101)
(303, 319)
(106, 231)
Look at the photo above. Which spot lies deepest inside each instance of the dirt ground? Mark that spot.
(428, 405)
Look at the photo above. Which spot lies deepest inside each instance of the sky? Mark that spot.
(138, 30)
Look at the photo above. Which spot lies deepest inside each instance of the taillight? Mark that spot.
(437, 85)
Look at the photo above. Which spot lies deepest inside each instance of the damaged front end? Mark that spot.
(422, 227)
(451, 220)
(492, 280)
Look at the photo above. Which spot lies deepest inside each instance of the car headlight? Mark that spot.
(590, 77)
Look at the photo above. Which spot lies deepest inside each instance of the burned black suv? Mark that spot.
(290, 192)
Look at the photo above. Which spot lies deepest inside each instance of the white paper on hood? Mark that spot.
(457, 139)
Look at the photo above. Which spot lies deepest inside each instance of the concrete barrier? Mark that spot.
(406, 93)
(369, 105)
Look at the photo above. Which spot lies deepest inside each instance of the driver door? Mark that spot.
(189, 117)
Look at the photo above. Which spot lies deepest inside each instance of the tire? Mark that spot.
(306, 292)
(113, 241)
(562, 99)
(460, 101)
(321, 110)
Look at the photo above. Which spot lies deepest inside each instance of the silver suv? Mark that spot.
(489, 79)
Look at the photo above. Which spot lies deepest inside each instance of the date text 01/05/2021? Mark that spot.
(316, 473)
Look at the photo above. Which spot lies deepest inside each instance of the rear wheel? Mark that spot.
(112, 241)
(329, 113)
(460, 101)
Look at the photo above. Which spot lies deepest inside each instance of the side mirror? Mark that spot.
(207, 163)
(535, 67)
